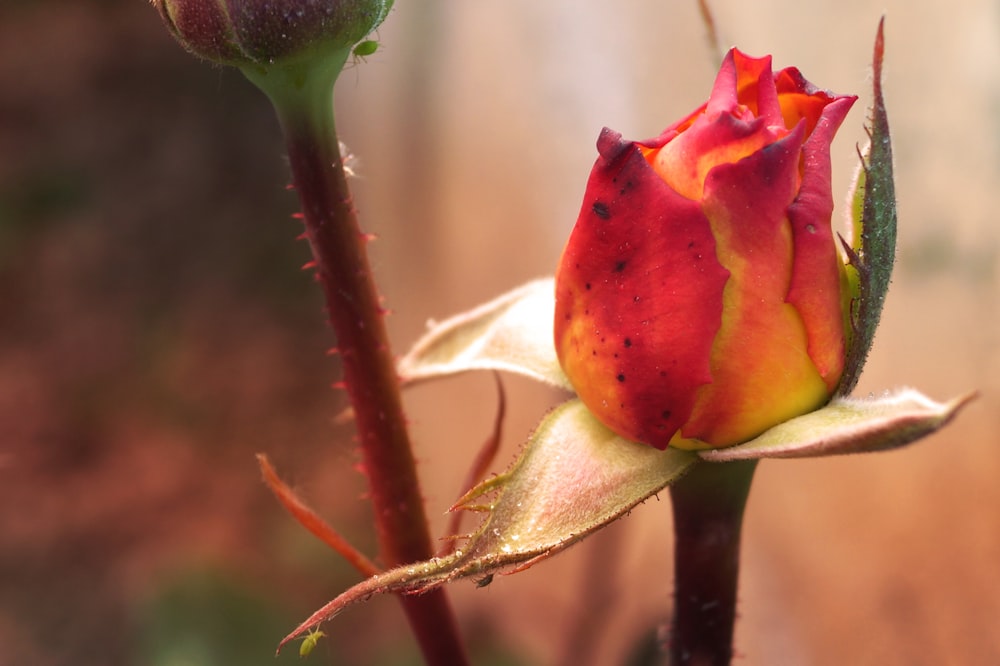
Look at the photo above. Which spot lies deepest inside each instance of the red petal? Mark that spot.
(761, 372)
(685, 161)
(638, 298)
(816, 271)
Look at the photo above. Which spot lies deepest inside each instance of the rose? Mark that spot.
(701, 298)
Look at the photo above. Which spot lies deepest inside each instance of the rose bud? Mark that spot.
(702, 298)
(265, 32)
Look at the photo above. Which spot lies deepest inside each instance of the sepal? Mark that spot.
(573, 477)
(512, 333)
(849, 425)
(872, 249)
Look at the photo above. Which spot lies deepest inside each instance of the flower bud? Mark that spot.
(263, 32)
(701, 298)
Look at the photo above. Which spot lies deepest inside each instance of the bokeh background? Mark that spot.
(156, 332)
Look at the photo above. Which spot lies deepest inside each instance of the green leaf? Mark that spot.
(874, 200)
(573, 477)
(512, 333)
(849, 425)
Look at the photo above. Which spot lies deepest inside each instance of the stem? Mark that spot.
(303, 99)
(708, 515)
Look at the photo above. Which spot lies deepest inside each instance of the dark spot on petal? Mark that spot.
(601, 210)
(616, 354)
(587, 286)
(620, 377)
(810, 228)
(619, 266)
(665, 414)
(635, 299)
(628, 342)
(690, 245)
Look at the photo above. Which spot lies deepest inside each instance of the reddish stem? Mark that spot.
(304, 104)
(708, 515)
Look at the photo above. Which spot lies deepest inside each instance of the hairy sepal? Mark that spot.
(573, 477)
(873, 255)
(512, 333)
(849, 425)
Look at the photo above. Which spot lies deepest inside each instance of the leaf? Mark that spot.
(511, 333)
(874, 200)
(573, 477)
(849, 425)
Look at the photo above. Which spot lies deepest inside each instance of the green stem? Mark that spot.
(708, 515)
(303, 99)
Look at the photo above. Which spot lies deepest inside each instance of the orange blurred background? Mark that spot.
(155, 332)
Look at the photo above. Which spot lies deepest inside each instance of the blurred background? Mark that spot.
(156, 332)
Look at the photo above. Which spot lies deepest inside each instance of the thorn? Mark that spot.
(298, 216)
(303, 236)
(333, 351)
(290, 186)
(339, 385)
(367, 237)
(344, 417)
(309, 265)
(385, 312)
(852, 256)
(861, 155)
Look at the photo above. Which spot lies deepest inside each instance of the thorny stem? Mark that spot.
(303, 99)
(708, 515)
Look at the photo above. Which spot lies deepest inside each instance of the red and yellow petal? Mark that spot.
(762, 373)
(638, 298)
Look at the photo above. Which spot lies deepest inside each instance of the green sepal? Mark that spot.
(874, 212)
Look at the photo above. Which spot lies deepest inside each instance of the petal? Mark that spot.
(817, 271)
(800, 100)
(755, 89)
(638, 298)
(724, 91)
(849, 425)
(685, 161)
(512, 333)
(737, 83)
(761, 371)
